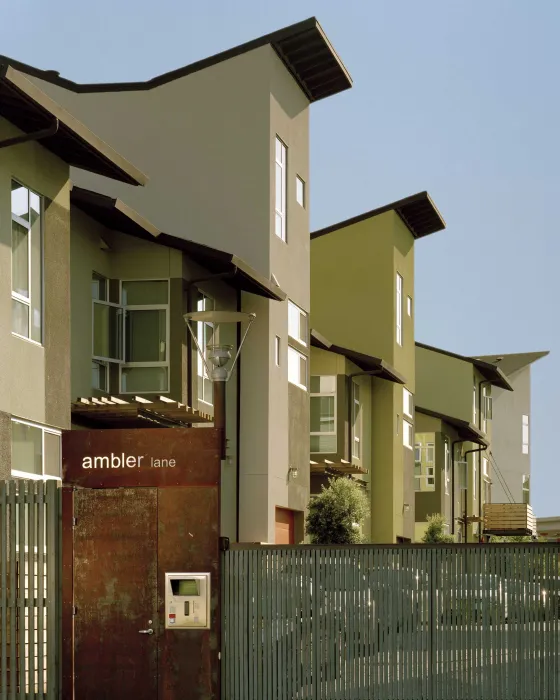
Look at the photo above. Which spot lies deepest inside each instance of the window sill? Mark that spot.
(27, 340)
(301, 343)
(299, 386)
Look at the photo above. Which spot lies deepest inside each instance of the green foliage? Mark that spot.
(435, 532)
(336, 514)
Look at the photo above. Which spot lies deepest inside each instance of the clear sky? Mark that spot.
(459, 98)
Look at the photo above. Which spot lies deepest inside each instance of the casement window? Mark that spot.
(447, 464)
(130, 334)
(36, 452)
(297, 368)
(357, 423)
(525, 435)
(297, 323)
(204, 333)
(27, 263)
(300, 191)
(399, 309)
(281, 153)
(277, 350)
(409, 306)
(323, 414)
(526, 488)
(408, 434)
(408, 406)
(424, 466)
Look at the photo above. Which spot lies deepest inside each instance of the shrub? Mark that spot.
(335, 516)
(435, 532)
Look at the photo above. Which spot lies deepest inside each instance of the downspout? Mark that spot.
(33, 136)
(487, 381)
(455, 442)
(478, 450)
(238, 428)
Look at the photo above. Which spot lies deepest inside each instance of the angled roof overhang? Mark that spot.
(303, 48)
(118, 216)
(467, 431)
(510, 363)
(28, 108)
(367, 363)
(491, 373)
(418, 213)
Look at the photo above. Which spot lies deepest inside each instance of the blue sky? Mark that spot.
(460, 98)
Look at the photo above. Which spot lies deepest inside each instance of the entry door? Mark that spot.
(115, 594)
(285, 526)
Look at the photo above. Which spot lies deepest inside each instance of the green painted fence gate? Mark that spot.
(410, 622)
(29, 580)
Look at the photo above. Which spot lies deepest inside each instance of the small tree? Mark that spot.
(337, 513)
(435, 532)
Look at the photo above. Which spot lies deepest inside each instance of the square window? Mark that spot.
(297, 323)
(407, 403)
(300, 191)
(36, 451)
(297, 368)
(408, 434)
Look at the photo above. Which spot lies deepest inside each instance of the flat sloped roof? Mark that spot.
(512, 362)
(303, 48)
(467, 431)
(29, 109)
(418, 212)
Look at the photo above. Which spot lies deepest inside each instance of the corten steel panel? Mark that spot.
(115, 593)
(195, 452)
(67, 622)
(188, 535)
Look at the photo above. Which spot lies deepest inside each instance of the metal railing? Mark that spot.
(29, 601)
(421, 622)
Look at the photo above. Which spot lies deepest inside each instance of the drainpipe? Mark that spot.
(33, 136)
(455, 442)
(487, 381)
(478, 450)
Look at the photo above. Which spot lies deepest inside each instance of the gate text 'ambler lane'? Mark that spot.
(118, 461)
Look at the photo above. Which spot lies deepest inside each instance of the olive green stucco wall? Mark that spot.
(35, 381)
(353, 304)
(444, 384)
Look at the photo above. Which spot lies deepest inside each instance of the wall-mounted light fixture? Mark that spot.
(293, 472)
(406, 507)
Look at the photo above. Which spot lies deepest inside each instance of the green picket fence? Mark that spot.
(410, 622)
(29, 580)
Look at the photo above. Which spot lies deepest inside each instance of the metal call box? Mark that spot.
(187, 601)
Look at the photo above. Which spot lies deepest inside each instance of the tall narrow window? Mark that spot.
(474, 405)
(409, 306)
(27, 263)
(424, 463)
(323, 414)
(474, 470)
(107, 350)
(146, 327)
(525, 435)
(300, 191)
(356, 422)
(399, 309)
(408, 434)
(277, 350)
(447, 464)
(526, 486)
(280, 193)
(483, 410)
(486, 480)
(204, 332)
(407, 403)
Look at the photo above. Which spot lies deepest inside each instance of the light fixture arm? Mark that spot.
(230, 372)
(200, 352)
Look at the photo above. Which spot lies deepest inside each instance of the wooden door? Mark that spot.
(115, 594)
(285, 533)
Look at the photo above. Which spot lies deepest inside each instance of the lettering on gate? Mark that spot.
(118, 461)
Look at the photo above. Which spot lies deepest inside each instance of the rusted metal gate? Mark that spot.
(29, 589)
(419, 622)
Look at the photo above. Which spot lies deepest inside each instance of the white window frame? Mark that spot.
(474, 474)
(357, 422)
(446, 464)
(321, 394)
(20, 474)
(280, 171)
(205, 303)
(148, 307)
(296, 309)
(277, 350)
(408, 407)
(293, 352)
(525, 436)
(427, 462)
(300, 186)
(399, 309)
(15, 295)
(475, 412)
(106, 302)
(526, 479)
(408, 434)
(485, 409)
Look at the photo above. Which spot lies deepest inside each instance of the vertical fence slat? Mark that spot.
(3, 591)
(31, 569)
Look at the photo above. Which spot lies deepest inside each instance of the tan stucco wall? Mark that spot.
(34, 383)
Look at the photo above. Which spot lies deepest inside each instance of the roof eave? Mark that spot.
(96, 155)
